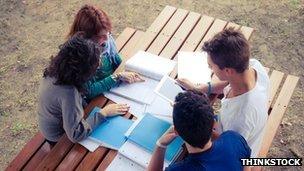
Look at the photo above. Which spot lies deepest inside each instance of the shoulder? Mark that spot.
(237, 140)
(231, 135)
(259, 68)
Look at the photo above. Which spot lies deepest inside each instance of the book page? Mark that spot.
(193, 66)
(160, 107)
(168, 89)
(150, 65)
(136, 109)
(141, 92)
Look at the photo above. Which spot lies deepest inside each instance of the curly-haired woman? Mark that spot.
(97, 26)
(60, 105)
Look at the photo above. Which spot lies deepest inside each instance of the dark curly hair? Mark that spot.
(75, 63)
(229, 49)
(193, 118)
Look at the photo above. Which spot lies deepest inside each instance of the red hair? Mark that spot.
(94, 23)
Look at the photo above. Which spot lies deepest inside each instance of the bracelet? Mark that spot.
(209, 88)
(160, 145)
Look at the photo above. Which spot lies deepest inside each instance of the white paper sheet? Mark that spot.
(122, 163)
(137, 109)
(141, 92)
(150, 65)
(89, 144)
(193, 66)
(137, 154)
(160, 106)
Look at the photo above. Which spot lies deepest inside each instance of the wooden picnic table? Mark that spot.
(173, 30)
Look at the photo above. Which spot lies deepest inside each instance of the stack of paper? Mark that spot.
(193, 66)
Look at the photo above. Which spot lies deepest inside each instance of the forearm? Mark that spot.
(77, 131)
(157, 160)
(216, 87)
(96, 88)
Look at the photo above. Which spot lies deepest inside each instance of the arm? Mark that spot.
(157, 160)
(75, 126)
(96, 88)
(216, 86)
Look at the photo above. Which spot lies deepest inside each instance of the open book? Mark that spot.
(193, 66)
(152, 68)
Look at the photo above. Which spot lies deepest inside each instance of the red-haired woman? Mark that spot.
(96, 25)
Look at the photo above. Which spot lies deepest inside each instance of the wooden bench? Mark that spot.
(173, 30)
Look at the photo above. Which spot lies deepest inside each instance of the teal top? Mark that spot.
(102, 80)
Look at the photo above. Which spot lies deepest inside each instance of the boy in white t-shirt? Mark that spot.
(243, 81)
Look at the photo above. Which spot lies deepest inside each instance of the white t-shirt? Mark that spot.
(247, 113)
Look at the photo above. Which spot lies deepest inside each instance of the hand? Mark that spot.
(167, 137)
(115, 109)
(186, 84)
(130, 77)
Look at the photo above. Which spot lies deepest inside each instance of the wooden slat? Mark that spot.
(198, 33)
(168, 31)
(275, 81)
(277, 113)
(27, 152)
(107, 160)
(124, 37)
(57, 153)
(216, 27)
(233, 25)
(73, 158)
(146, 39)
(41, 153)
(92, 159)
(130, 46)
(180, 36)
(247, 31)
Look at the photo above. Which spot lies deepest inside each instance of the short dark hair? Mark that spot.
(193, 118)
(75, 63)
(229, 49)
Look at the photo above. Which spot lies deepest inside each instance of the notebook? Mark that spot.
(152, 68)
(111, 132)
(193, 66)
(148, 130)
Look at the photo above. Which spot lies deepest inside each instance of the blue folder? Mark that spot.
(149, 130)
(111, 132)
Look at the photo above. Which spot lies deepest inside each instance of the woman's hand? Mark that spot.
(115, 109)
(130, 77)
